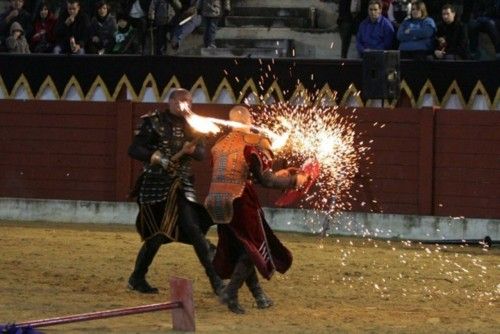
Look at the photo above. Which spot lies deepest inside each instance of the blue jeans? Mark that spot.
(181, 32)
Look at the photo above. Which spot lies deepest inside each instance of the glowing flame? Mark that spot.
(202, 124)
(199, 123)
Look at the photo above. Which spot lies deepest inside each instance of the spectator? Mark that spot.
(451, 36)
(71, 29)
(126, 38)
(137, 11)
(398, 11)
(416, 34)
(485, 18)
(161, 13)
(185, 22)
(375, 32)
(102, 30)
(350, 15)
(43, 40)
(385, 6)
(16, 42)
(211, 12)
(15, 13)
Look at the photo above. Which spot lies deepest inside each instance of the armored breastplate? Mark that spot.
(230, 173)
(171, 134)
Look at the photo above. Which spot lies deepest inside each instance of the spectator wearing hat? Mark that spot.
(126, 39)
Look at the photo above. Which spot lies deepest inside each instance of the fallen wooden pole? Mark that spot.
(182, 306)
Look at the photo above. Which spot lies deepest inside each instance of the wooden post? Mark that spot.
(182, 318)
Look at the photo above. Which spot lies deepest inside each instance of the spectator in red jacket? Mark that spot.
(43, 38)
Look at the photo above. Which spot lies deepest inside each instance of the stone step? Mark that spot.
(304, 12)
(264, 21)
(244, 52)
(285, 44)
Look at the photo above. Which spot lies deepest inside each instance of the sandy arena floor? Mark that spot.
(336, 285)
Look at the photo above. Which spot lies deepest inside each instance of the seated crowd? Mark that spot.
(445, 30)
(99, 27)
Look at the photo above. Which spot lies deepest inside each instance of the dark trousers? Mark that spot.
(346, 29)
(192, 230)
(141, 26)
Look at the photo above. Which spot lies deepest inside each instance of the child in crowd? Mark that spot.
(126, 38)
(16, 42)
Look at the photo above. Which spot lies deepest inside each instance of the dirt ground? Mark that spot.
(336, 285)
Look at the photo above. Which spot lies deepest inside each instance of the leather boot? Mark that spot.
(137, 280)
(215, 281)
(230, 293)
(261, 299)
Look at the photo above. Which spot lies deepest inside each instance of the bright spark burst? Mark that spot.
(323, 134)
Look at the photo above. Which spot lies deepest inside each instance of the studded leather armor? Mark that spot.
(164, 132)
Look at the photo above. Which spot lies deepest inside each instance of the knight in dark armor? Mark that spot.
(246, 241)
(168, 210)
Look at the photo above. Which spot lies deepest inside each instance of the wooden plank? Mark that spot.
(450, 201)
(467, 146)
(483, 189)
(476, 132)
(59, 173)
(56, 185)
(383, 158)
(468, 211)
(381, 115)
(394, 144)
(485, 161)
(103, 121)
(39, 107)
(469, 118)
(57, 147)
(392, 130)
(461, 174)
(66, 194)
(395, 172)
(394, 186)
(76, 159)
(383, 197)
(32, 133)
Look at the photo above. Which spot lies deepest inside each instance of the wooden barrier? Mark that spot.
(181, 304)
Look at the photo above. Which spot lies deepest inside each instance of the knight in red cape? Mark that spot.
(246, 242)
